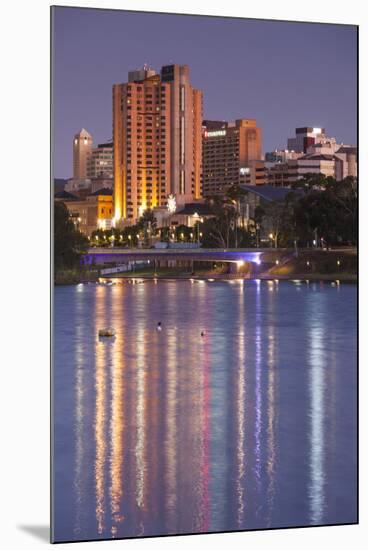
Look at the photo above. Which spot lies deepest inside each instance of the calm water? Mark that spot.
(251, 426)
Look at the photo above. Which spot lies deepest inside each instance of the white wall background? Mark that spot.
(24, 366)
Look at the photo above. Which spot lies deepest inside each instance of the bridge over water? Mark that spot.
(233, 255)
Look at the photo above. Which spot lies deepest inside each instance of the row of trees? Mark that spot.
(316, 207)
(69, 242)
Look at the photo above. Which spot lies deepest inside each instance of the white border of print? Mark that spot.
(25, 272)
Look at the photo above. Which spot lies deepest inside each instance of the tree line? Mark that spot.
(316, 209)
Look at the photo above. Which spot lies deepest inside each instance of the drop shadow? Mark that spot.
(41, 532)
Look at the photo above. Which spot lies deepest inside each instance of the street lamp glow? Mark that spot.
(271, 235)
(239, 263)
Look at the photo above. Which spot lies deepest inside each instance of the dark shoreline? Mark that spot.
(320, 277)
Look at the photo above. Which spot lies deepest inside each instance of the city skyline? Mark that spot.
(86, 69)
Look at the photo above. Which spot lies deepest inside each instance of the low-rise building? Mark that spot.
(95, 211)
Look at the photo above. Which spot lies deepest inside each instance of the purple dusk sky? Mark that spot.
(283, 74)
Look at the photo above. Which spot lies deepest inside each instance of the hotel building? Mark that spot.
(157, 141)
(232, 154)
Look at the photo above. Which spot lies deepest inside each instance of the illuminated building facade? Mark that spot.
(232, 154)
(90, 213)
(157, 140)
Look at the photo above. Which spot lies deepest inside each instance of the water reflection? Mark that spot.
(317, 436)
(271, 425)
(258, 395)
(170, 440)
(174, 432)
(140, 419)
(116, 430)
(79, 427)
(241, 386)
(100, 416)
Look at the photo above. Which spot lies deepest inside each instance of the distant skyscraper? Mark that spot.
(157, 140)
(82, 145)
(304, 138)
(232, 154)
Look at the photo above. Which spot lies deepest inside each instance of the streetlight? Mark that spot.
(130, 239)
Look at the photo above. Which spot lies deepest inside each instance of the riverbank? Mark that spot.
(75, 276)
(333, 277)
(313, 265)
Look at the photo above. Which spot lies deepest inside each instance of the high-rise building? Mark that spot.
(232, 154)
(157, 140)
(100, 161)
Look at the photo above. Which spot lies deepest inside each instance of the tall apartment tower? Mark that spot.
(82, 146)
(232, 154)
(157, 122)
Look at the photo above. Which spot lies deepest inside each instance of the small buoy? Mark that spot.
(159, 327)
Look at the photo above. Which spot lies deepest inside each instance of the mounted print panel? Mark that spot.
(204, 361)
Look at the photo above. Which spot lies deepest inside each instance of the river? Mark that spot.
(251, 425)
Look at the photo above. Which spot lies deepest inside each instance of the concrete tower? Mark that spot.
(82, 146)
